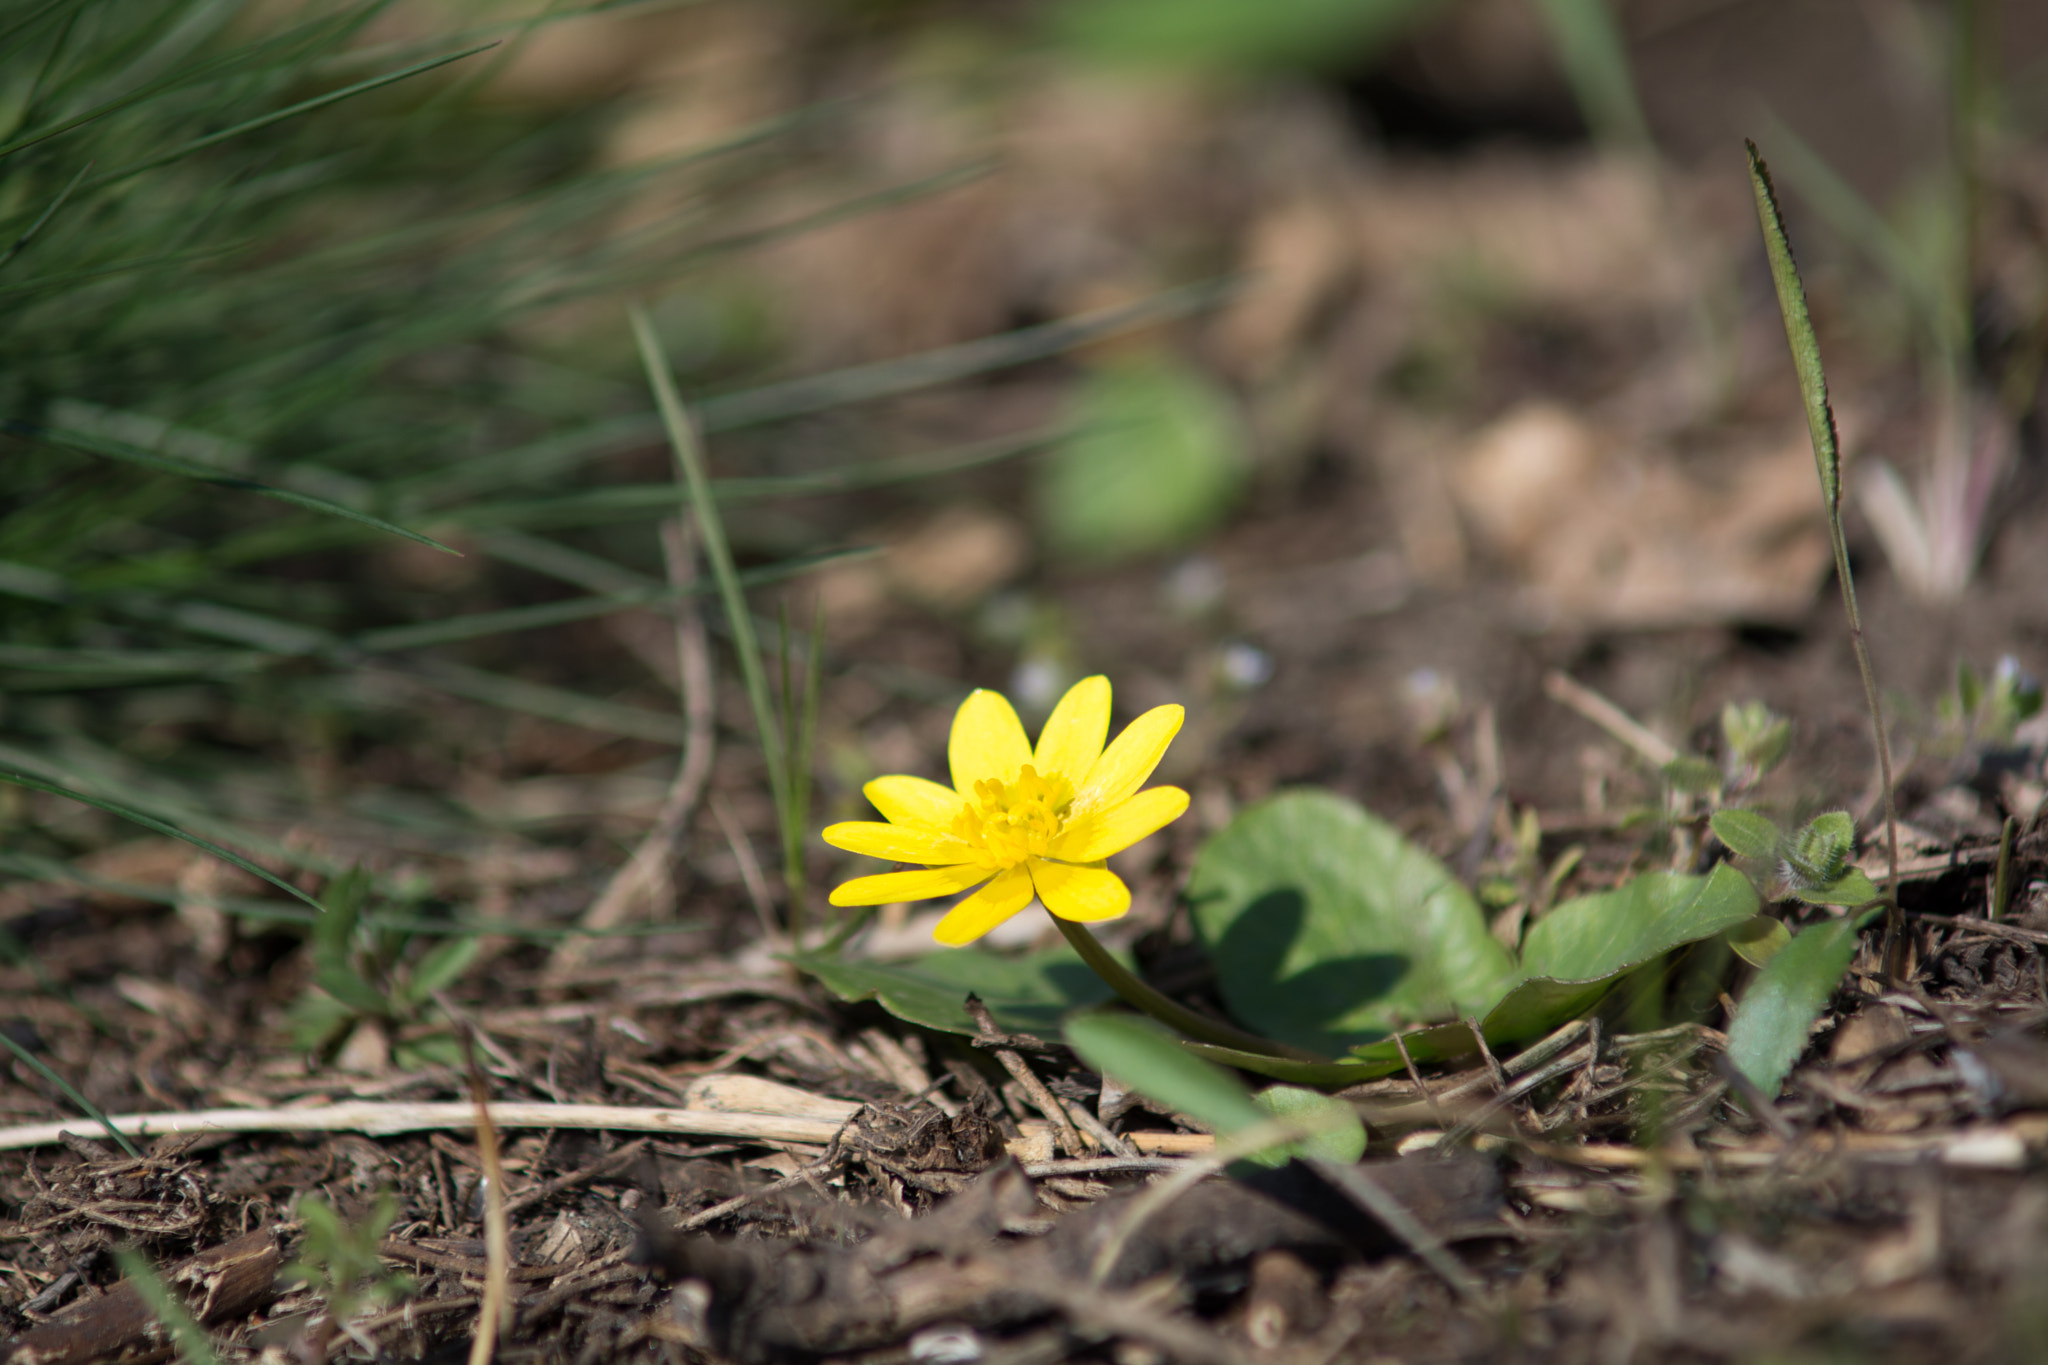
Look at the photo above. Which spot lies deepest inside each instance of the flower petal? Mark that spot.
(1072, 738)
(1100, 833)
(908, 886)
(1079, 893)
(986, 908)
(1129, 760)
(899, 843)
(988, 741)
(915, 801)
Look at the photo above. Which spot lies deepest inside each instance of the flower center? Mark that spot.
(1012, 821)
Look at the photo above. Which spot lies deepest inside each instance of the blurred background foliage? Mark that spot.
(300, 298)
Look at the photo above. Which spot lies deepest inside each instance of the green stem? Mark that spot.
(1138, 995)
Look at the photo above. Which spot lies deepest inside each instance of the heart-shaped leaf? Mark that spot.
(1028, 994)
(1328, 929)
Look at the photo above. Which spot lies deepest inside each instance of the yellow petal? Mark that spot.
(988, 741)
(1100, 833)
(986, 908)
(898, 843)
(1072, 738)
(1129, 760)
(908, 886)
(915, 801)
(1079, 893)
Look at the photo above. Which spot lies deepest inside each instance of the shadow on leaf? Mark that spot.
(1306, 1008)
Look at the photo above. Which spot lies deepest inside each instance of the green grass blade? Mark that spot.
(70, 280)
(565, 564)
(147, 821)
(887, 378)
(306, 106)
(139, 664)
(43, 220)
(32, 18)
(274, 50)
(166, 464)
(85, 1106)
(576, 609)
(629, 502)
(682, 436)
(1589, 47)
(195, 1347)
(551, 703)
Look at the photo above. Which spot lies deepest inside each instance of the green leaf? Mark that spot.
(1755, 734)
(1747, 833)
(1595, 937)
(1692, 774)
(442, 966)
(1758, 940)
(1585, 947)
(347, 986)
(1029, 994)
(1778, 1010)
(1337, 1134)
(1328, 929)
(1156, 458)
(1853, 887)
(1148, 1059)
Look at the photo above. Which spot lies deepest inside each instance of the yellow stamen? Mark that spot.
(1009, 822)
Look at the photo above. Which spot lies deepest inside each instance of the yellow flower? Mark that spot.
(1025, 821)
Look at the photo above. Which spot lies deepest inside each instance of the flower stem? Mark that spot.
(1141, 996)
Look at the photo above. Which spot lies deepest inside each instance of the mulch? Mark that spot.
(1604, 1194)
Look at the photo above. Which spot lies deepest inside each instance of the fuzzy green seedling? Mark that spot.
(1756, 739)
(1811, 863)
(341, 1261)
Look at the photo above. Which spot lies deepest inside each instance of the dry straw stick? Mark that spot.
(647, 871)
(380, 1119)
(494, 1314)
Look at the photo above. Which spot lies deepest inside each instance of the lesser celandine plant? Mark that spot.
(1025, 822)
